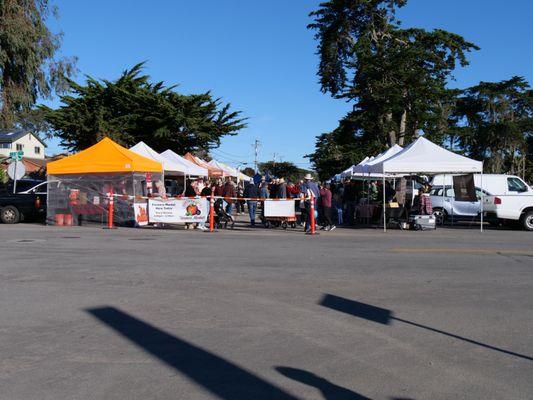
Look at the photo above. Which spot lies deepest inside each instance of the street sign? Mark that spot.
(16, 155)
(16, 170)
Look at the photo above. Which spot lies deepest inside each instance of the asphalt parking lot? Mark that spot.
(88, 313)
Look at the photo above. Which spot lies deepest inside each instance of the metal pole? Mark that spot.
(384, 206)
(15, 177)
(443, 197)
(482, 198)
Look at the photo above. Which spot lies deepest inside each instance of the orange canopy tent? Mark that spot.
(213, 171)
(105, 156)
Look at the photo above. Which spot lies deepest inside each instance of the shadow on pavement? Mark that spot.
(221, 377)
(384, 316)
(329, 390)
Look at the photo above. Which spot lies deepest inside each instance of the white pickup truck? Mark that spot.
(511, 200)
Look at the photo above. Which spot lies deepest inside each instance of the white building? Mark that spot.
(17, 140)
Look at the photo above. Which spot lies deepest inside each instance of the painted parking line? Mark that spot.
(461, 251)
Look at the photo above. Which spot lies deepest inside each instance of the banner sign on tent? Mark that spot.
(177, 210)
(281, 208)
(464, 188)
(141, 213)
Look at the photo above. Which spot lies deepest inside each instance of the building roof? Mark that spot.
(9, 136)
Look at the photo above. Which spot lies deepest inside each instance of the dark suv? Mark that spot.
(29, 202)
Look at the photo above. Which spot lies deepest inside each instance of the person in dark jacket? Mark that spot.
(325, 198)
(229, 191)
(189, 189)
(251, 191)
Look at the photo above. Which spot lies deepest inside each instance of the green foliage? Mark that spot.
(3, 175)
(132, 109)
(395, 78)
(29, 67)
(497, 123)
(283, 169)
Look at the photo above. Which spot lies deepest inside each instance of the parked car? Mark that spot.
(29, 202)
(514, 204)
(508, 198)
(445, 207)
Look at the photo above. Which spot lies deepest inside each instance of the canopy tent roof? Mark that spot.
(169, 166)
(238, 174)
(188, 167)
(363, 167)
(349, 171)
(425, 157)
(213, 171)
(104, 156)
(228, 171)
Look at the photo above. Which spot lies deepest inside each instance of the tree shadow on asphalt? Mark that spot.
(219, 376)
(385, 317)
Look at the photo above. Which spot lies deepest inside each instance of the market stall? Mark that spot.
(82, 185)
(423, 157)
(169, 166)
(213, 171)
(189, 168)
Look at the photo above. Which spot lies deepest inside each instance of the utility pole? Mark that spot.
(256, 151)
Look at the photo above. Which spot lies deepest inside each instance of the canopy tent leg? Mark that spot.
(482, 199)
(443, 197)
(384, 206)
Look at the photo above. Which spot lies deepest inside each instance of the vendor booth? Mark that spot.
(422, 157)
(187, 167)
(82, 185)
(169, 167)
(214, 172)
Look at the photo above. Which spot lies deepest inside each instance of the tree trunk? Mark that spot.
(403, 126)
(391, 133)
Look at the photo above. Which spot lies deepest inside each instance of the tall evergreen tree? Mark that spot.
(132, 109)
(395, 78)
(29, 65)
(496, 123)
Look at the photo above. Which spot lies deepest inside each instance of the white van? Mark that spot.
(506, 197)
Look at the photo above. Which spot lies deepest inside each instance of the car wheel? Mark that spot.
(10, 215)
(527, 221)
(440, 215)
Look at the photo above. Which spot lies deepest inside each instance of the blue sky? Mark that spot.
(259, 56)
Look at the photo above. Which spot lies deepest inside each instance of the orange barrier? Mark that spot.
(312, 216)
(212, 211)
(111, 211)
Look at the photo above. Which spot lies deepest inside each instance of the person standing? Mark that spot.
(282, 189)
(251, 191)
(308, 188)
(263, 189)
(240, 193)
(219, 188)
(325, 197)
(229, 192)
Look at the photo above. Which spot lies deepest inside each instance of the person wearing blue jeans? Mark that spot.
(251, 191)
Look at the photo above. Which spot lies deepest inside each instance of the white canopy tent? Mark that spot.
(349, 171)
(169, 167)
(365, 167)
(425, 157)
(240, 176)
(188, 167)
(227, 170)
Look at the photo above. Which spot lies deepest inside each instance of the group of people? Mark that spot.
(352, 193)
(334, 204)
